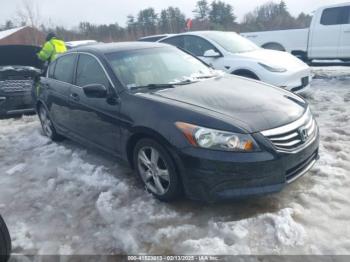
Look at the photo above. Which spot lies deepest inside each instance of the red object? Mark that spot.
(189, 24)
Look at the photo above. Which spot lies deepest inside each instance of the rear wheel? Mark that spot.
(47, 125)
(274, 46)
(157, 170)
(5, 242)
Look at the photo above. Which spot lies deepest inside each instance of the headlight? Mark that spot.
(274, 69)
(217, 140)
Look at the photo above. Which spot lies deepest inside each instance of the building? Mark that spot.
(25, 35)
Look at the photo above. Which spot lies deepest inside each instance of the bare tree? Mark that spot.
(28, 14)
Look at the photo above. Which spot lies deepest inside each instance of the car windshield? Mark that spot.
(232, 42)
(157, 67)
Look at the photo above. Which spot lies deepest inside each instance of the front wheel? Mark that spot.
(5, 242)
(47, 125)
(157, 170)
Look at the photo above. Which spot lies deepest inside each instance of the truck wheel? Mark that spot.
(274, 46)
(5, 242)
(302, 56)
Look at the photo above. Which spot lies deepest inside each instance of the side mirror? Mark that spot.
(95, 91)
(211, 53)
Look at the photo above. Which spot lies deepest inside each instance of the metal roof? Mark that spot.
(6, 33)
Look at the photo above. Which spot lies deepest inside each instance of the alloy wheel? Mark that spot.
(45, 122)
(154, 171)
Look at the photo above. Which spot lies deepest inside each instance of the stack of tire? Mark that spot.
(5, 242)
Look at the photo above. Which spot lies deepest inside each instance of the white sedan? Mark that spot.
(237, 55)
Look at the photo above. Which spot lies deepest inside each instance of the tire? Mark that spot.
(301, 55)
(156, 170)
(47, 125)
(5, 242)
(274, 46)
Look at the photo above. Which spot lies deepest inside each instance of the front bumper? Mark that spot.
(214, 175)
(16, 97)
(18, 103)
(296, 82)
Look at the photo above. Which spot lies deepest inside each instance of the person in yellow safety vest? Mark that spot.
(52, 48)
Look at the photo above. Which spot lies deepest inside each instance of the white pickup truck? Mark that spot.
(327, 38)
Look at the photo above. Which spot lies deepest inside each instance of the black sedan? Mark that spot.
(184, 127)
(5, 242)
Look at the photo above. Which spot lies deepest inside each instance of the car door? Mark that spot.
(325, 36)
(94, 119)
(199, 46)
(57, 84)
(345, 35)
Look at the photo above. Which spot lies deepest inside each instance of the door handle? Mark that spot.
(75, 96)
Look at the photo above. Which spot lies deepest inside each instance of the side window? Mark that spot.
(64, 68)
(177, 41)
(197, 45)
(89, 71)
(335, 16)
(51, 70)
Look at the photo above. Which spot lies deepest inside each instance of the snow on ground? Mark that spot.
(60, 198)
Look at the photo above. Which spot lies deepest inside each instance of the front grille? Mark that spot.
(295, 136)
(301, 168)
(305, 81)
(12, 86)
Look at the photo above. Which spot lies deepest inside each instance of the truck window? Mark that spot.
(335, 16)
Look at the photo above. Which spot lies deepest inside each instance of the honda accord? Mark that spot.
(184, 127)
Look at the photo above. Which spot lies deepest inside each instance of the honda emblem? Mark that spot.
(303, 133)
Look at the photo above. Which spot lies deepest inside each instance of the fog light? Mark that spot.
(2, 99)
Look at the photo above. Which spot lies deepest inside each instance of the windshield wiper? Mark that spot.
(152, 86)
(205, 76)
(160, 86)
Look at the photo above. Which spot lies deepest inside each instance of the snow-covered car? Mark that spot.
(237, 55)
(19, 68)
(75, 44)
(5, 241)
(327, 38)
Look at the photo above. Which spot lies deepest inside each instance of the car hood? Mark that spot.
(275, 59)
(20, 55)
(251, 105)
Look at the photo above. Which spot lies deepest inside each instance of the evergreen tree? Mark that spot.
(202, 10)
(221, 15)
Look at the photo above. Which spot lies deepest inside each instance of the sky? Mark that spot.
(69, 13)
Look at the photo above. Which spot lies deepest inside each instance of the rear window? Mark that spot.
(335, 16)
(177, 41)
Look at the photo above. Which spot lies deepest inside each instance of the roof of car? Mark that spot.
(102, 48)
(199, 33)
(152, 36)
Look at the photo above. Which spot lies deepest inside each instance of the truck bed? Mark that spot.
(290, 40)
